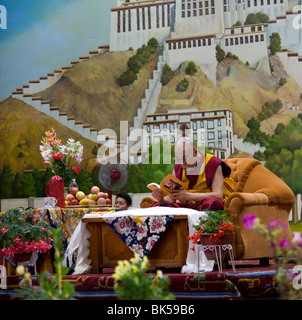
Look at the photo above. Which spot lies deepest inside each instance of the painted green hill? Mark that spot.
(22, 128)
(89, 90)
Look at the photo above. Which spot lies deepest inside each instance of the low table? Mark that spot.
(106, 248)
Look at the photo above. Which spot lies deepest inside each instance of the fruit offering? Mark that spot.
(95, 197)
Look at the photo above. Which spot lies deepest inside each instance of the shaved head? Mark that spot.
(185, 151)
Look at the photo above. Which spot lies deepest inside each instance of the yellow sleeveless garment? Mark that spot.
(201, 184)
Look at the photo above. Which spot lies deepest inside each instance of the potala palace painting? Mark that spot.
(228, 71)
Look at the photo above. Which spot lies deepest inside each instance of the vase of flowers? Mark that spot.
(213, 229)
(23, 233)
(63, 159)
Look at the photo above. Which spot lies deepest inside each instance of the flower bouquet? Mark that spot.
(61, 158)
(22, 231)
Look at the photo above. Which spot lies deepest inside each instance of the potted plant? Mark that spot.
(22, 233)
(213, 229)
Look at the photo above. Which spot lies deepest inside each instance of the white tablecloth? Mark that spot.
(79, 239)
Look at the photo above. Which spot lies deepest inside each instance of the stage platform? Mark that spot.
(249, 282)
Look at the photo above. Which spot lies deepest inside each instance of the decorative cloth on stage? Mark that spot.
(65, 218)
(141, 234)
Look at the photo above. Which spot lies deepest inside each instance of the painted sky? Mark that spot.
(44, 35)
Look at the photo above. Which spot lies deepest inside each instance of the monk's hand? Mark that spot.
(157, 194)
(180, 194)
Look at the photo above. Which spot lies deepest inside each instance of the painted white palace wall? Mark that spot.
(133, 26)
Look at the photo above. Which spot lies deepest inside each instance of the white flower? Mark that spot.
(46, 154)
(62, 149)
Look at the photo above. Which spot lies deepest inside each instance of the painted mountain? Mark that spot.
(89, 92)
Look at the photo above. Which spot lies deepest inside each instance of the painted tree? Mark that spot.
(6, 181)
(220, 54)
(283, 156)
(275, 43)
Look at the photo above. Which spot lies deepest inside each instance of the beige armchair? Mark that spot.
(258, 191)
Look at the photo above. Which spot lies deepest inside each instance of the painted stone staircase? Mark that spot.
(35, 86)
(150, 101)
(27, 92)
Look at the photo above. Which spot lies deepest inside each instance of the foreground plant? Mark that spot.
(50, 287)
(286, 253)
(23, 231)
(132, 282)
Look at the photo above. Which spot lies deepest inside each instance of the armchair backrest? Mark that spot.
(241, 168)
(251, 176)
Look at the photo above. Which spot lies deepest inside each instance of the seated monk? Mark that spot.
(202, 173)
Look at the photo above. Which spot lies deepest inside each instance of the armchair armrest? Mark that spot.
(264, 205)
(239, 199)
(261, 197)
(278, 196)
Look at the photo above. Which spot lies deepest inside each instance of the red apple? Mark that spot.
(101, 201)
(69, 197)
(108, 201)
(74, 190)
(95, 190)
(101, 195)
(74, 202)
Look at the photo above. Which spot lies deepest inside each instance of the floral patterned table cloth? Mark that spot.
(140, 234)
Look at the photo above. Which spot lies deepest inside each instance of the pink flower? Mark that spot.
(79, 158)
(4, 230)
(249, 221)
(285, 244)
(18, 243)
(297, 238)
(272, 225)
